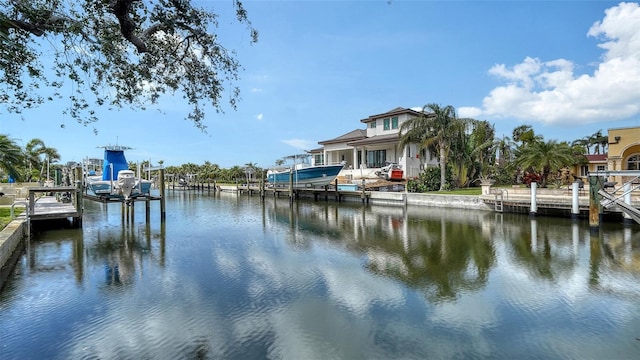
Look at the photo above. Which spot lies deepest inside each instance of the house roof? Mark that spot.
(378, 139)
(350, 136)
(597, 158)
(396, 111)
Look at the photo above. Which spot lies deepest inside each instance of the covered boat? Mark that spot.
(116, 179)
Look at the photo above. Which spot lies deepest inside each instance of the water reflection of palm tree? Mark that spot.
(444, 260)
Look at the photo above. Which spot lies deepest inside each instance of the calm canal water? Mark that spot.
(230, 277)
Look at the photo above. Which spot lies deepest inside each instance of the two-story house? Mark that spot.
(365, 151)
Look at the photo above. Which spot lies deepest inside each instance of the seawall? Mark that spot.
(468, 202)
(10, 238)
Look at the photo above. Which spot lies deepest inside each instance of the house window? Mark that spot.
(319, 159)
(387, 125)
(633, 163)
(376, 158)
(372, 125)
(394, 122)
(601, 168)
(584, 170)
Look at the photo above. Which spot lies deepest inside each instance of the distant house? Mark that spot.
(365, 150)
(623, 154)
(595, 162)
(624, 149)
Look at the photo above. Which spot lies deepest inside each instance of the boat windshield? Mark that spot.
(298, 160)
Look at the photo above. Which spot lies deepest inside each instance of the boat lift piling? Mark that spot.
(127, 207)
(291, 192)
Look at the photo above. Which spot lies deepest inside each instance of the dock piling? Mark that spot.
(534, 205)
(575, 204)
(163, 213)
(595, 184)
(626, 219)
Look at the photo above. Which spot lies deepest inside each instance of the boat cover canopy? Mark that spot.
(115, 158)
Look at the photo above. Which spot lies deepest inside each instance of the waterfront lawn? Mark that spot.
(5, 215)
(465, 191)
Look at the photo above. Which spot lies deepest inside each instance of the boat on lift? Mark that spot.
(302, 174)
(116, 180)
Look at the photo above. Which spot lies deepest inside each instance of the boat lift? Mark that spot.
(611, 198)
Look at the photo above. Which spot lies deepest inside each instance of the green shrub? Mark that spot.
(504, 175)
(428, 180)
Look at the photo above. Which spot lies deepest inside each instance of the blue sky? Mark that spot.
(567, 68)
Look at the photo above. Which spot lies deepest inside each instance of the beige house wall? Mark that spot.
(623, 144)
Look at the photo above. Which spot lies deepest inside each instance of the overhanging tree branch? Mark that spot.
(177, 50)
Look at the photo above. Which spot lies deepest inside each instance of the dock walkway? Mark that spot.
(50, 207)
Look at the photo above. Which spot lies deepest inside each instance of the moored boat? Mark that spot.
(117, 181)
(303, 174)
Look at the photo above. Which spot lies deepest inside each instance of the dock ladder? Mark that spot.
(498, 203)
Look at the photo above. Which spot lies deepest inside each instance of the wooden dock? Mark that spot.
(301, 193)
(60, 202)
(50, 207)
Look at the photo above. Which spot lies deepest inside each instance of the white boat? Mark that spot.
(302, 174)
(116, 180)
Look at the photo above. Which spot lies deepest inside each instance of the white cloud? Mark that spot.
(300, 144)
(256, 90)
(550, 92)
(469, 112)
(259, 117)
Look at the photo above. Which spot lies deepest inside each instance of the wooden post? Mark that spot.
(595, 184)
(363, 195)
(147, 210)
(291, 186)
(163, 215)
(132, 208)
(32, 201)
(79, 202)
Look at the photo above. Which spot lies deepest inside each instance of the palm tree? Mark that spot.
(11, 156)
(599, 142)
(525, 135)
(505, 149)
(434, 127)
(34, 149)
(461, 157)
(546, 157)
(484, 145)
(584, 143)
(209, 171)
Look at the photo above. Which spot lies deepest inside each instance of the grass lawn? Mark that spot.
(465, 191)
(5, 215)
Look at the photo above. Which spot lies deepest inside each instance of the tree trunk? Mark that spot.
(443, 166)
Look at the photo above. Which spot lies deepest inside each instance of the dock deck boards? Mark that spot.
(48, 207)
